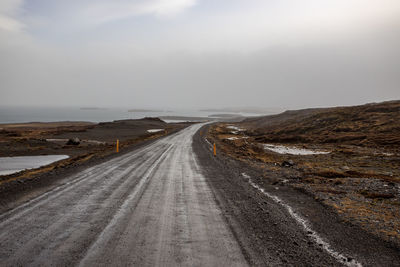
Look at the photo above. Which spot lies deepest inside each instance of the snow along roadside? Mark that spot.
(348, 261)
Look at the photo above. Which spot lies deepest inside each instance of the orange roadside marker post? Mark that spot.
(215, 150)
(117, 145)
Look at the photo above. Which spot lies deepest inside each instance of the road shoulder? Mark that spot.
(266, 231)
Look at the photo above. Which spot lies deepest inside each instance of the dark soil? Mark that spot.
(30, 138)
(360, 180)
(23, 186)
(372, 125)
(266, 232)
(122, 130)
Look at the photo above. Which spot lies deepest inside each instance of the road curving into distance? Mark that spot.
(172, 203)
(149, 207)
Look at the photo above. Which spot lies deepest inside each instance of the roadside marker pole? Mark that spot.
(117, 145)
(215, 150)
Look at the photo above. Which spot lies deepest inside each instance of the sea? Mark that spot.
(52, 114)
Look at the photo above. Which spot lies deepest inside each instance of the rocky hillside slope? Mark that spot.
(376, 124)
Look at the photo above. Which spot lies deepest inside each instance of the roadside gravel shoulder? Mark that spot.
(267, 233)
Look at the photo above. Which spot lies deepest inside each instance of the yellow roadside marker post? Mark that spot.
(117, 145)
(215, 150)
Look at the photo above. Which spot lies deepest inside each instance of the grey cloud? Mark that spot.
(343, 71)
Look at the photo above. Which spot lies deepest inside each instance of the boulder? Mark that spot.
(288, 163)
(74, 141)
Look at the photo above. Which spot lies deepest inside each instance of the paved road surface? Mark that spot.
(147, 207)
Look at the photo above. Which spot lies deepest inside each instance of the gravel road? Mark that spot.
(172, 203)
(149, 207)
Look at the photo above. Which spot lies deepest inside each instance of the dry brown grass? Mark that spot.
(82, 157)
(353, 180)
(375, 195)
(381, 216)
(367, 125)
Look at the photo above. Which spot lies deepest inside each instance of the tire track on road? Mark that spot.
(106, 233)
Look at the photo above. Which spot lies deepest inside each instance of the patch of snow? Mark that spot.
(381, 153)
(57, 140)
(348, 261)
(236, 128)
(236, 138)
(155, 130)
(245, 175)
(293, 150)
(94, 142)
(10, 165)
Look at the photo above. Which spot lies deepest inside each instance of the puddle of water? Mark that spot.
(10, 165)
(293, 150)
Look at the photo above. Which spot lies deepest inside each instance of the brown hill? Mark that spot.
(375, 124)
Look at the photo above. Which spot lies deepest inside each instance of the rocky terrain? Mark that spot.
(74, 138)
(85, 143)
(347, 158)
(372, 125)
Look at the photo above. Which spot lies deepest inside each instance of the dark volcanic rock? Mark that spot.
(74, 141)
(288, 163)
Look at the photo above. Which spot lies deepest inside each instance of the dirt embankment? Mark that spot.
(358, 178)
(85, 143)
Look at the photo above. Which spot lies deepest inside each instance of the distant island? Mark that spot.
(255, 110)
(92, 108)
(224, 115)
(144, 110)
(185, 118)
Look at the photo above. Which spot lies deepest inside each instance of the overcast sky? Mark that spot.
(199, 53)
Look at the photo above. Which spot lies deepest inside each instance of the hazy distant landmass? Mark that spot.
(224, 115)
(92, 108)
(184, 118)
(144, 110)
(257, 110)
